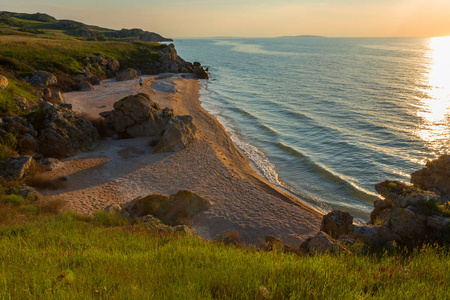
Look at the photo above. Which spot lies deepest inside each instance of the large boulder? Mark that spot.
(337, 223)
(434, 177)
(3, 82)
(64, 133)
(135, 116)
(178, 133)
(407, 224)
(127, 74)
(401, 195)
(170, 210)
(15, 167)
(42, 79)
(322, 243)
(85, 86)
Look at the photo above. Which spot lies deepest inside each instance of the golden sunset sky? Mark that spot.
(255, 18)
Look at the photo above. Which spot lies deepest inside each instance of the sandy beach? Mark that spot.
(118, 171)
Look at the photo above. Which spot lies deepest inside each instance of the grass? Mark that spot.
(73, 256)
(27, 53)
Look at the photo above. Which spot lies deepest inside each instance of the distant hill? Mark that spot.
(12, 23)
(303, 36)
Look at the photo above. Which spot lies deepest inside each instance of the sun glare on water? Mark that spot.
(435, 107)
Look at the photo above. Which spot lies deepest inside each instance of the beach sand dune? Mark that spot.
(118, 171)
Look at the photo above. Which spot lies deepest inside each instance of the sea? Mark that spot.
(328, 118)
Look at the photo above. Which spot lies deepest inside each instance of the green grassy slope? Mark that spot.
(44, 25)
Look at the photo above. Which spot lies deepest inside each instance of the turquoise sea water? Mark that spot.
(327, 118)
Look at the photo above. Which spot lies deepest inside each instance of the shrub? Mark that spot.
(52, 206)
(13, 199)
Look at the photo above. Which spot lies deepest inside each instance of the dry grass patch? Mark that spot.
(38, 177)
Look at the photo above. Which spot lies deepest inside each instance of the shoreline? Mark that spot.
(117, 171)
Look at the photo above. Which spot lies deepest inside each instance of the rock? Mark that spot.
(127, 74)
(3, 82)
(401, 195)
(380, 206)
(274, 244)
(22, 103)
(113, 208)
(178, 133)
(183, 229)
(65, 133)
(65, 106)
(49, 163)
(95, 80)
(135, 116)
(183, 204)
(29, 193)
(435, 177)
(365, 234)
(322, 243)
(47, 93)
(186, 204)
(201, 73)
(85, 86)
(17, 126)
(15, 167)
(42, 79)
(336, 223)
(156, 205)
(437, 223)
(407, 224)
(58, 97)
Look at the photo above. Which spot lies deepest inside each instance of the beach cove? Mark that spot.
(118, 171)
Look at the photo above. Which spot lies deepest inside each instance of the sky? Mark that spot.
(254, 18)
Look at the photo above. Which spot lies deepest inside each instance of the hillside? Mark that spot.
(43, 25)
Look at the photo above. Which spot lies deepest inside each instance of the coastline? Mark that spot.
(117, 171)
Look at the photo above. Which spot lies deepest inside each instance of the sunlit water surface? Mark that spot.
(328, 118)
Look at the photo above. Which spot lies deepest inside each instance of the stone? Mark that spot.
(85, 86)
(407, 224)
(322, 243)
(275, 244)
(3, 82)
(49, 163)
(262, 293)
(47, 93)
(201, 73)
(156, 205)
(380, 206)
(183, 229)
(336, 223)
(22, 103)
(95, 80)
(30, 193)
(437, 223)
(15, 167)
(64, 133)
(178, 133)
(186, 204)
(435, 177)
(42, 79)
(127, 74)
(134, 116)
(58, 97)
(365, 234)
(183, 204)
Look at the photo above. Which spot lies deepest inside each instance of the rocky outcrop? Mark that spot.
(127, 74)
(23, 132)
(3, 82)
(64, 133)
(434, 177)
(169, 61)
(178, 133)
(322, 243)
(337, 223)
(15, 167)
(85, 86)
(138, 115)
(109, 65)
(42, 78)
(170, 210)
